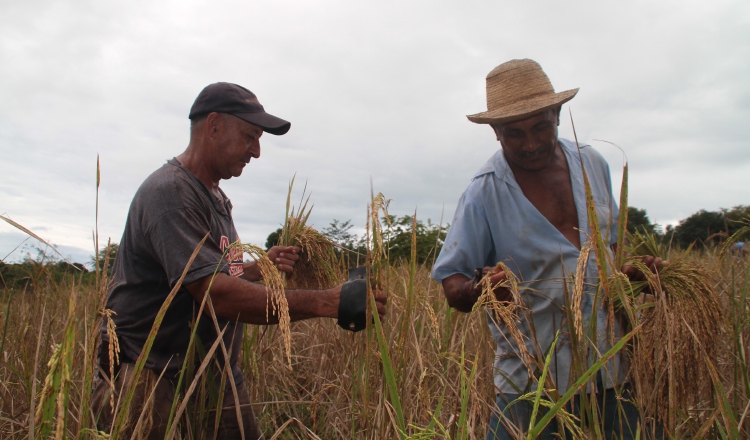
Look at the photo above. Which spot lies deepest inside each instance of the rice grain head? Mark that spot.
(680, 338)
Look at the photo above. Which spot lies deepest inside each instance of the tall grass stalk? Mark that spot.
(122, 417)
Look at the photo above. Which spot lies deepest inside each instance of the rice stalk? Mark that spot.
(318, 266)
(54, 398)
(578, 290)
(122, 418)
(113, 350)
(679, 343)
(506, 314)
(206, 361)
(276, 303)
(32, 404)
(377, 271)
(737, 236)
(568, 421)
(724, 407)
(465, 390)
(580, 383)
(540, 388)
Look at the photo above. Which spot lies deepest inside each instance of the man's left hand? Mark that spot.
(654, 264)
(284, 257)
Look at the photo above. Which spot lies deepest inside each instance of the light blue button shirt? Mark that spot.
(495, 222)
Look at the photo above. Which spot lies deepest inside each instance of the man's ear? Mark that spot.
(213, 122)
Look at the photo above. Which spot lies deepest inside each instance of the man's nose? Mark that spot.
(530, 144)
(255, 150)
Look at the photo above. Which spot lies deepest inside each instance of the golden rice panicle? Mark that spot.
(318, 266)
(680, 340)
(276, 300)
(507, 314)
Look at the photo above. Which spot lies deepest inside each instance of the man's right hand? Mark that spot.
(463, 292)
(497, 276)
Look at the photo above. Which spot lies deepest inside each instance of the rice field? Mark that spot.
(425, 372)
(428, 376)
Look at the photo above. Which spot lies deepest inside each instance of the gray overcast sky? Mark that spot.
(374, 90)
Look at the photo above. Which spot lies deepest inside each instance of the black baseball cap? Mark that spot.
(223, 97)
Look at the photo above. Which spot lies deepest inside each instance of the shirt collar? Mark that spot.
(498, 164)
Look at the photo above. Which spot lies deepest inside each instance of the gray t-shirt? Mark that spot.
(170, 214)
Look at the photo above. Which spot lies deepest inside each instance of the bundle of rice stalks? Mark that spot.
(318, 266)
(276, 300)
(507, 314)
(676, 352)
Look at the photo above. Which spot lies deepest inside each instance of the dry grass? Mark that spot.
(441, 363)
(426, 373)
(682, 338)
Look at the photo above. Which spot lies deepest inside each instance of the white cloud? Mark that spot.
(374, 91)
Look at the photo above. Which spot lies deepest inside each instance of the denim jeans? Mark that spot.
(620, 418)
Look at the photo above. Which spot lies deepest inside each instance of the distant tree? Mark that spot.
(353, 247)
(699, 227)
(273, 239)
(103, 252)
(397, 234)
(429, 239)
(738, 217)
(32, 272)
(638, 221)
(339, 233)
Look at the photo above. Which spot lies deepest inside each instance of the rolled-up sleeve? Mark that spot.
(468, 243)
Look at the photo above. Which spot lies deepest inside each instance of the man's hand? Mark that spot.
(284, 257)
(497, 276)
(462, 292)
(654, 264)
(381, 299)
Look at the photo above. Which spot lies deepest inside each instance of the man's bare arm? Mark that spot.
(236, 298)
(462, 293)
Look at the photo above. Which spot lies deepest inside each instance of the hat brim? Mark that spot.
(268, 122)
(523, 109)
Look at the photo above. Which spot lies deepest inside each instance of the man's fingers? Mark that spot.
(380, 296)
(285, 268)
(287, 260)
(498, 277)
(287, 249)
(381, 309)
(654, 264)
(289, 252)
(291, 256)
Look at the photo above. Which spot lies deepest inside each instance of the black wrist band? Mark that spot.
(353, 305)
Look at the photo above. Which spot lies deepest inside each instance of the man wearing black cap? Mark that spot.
(172, 211)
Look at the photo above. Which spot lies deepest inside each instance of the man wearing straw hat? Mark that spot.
(177, 209)
(523, 218)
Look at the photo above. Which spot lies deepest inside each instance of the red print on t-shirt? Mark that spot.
(234, 257)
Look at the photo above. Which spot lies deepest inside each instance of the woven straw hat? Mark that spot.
(516, 90)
